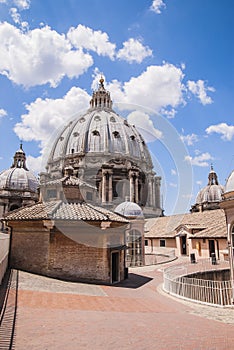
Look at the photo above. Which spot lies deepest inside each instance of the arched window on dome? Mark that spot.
(96, 133)
(116, 134)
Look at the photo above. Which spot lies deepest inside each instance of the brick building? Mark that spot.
(71, 240)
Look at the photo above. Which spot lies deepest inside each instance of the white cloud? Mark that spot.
(201, 160)
(172, 184)
(189, 139)
(168, 113)
(227, 131)
(157, 6)
(45, 116)
(173, 172)
(199, 182)
(35, 164)
(39, 56)
(22, 4)
(3, 1)
(144, 125)
(15, 15)
(3, 113)
(157, 87)
(133, 51)
(90, 39)
(200, 91)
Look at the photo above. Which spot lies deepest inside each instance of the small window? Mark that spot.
(116, 134)
(82, 120)
(89, 196)
(146, 242)
(75, 134)
(162, 243)
(97, 118)
(61, 138)
(112, 119)
(132, 137)
(96, 133)
(51, 194)
(126, 123)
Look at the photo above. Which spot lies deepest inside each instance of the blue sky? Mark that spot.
(168, 65)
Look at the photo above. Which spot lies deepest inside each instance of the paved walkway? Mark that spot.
(136, 314)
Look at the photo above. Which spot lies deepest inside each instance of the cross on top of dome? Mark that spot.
(101, 81)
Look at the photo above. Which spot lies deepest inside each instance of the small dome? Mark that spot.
(229, 187)
(129, 209)
(210, 196)
(210, 193)
(18, 177)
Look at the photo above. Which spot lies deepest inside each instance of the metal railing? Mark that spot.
(177, 282)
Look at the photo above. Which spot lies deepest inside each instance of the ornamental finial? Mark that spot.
(101, 81)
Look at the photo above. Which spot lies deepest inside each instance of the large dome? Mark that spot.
(106, 153)
(100, 132)
(229, 187)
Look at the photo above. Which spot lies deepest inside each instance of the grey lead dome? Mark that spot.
(212, 192)
(100, 131)
(18, 177)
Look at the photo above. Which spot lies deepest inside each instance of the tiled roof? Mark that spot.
(58, 210)
(38, 211)
(210, 223)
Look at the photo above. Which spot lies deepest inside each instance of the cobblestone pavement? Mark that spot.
(136, 314)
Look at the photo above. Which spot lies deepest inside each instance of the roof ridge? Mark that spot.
(95, 208)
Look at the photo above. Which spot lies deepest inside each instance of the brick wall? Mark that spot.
(73, 260)
(38, 248)
(29, 246)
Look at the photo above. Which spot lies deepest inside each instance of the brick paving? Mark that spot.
(136, 314)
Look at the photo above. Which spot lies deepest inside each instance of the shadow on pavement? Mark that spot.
(8, 309)
(133, 281)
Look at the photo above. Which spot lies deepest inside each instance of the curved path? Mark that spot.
(136, 314)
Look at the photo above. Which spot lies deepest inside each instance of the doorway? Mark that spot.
(114, 267)
(211, 246)
(183, 245)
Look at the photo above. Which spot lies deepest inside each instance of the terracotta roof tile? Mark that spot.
(58, 210)
(211, 223)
